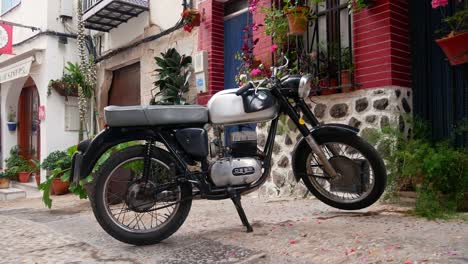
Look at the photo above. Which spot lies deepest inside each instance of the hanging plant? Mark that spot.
(191, 19)
(297, 15)
(454, 44)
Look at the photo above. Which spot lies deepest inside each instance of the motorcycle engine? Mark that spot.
(241, 165)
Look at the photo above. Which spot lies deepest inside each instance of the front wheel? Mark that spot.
(361, 172)
(136, 209)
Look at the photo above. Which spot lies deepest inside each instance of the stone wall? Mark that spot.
(364, 109)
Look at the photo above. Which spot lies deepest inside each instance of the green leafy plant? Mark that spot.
(59, 164)
(436, 170)
(173, 70)
(276, 24)
(5, 175)
(72, 78)
(11, 117)
(358, 5)
(16, 163)
(458, 22)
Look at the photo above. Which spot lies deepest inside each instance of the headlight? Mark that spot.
(305, 85)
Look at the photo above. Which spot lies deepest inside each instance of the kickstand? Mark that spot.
(236, 199)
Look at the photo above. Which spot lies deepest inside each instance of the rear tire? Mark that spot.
(100, 200)
(365, 149)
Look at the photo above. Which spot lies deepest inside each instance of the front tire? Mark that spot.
(343, 193)
(122, 174)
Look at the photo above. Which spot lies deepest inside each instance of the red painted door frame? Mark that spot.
(29, 133)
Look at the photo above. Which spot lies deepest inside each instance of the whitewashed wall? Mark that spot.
(50, 59)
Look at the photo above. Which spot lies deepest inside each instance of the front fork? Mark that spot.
(305, 131)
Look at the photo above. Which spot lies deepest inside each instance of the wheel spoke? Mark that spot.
(132, 204)
(335, 190)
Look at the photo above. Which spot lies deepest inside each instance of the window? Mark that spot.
(7, 5)
(99, 44)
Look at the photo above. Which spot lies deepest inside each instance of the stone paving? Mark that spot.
(285, 231)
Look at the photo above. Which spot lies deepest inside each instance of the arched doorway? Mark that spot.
(29, 133)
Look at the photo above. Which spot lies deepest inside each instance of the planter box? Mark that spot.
(4, 183)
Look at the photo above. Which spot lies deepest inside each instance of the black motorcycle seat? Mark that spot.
(155, 115)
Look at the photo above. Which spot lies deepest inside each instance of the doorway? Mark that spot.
(29, 131)
(125, 88)
(235, 20)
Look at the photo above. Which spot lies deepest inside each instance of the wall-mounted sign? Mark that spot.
(6, 39)
(41, 113)
(16, 70)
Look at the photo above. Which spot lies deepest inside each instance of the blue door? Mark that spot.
(233, 40)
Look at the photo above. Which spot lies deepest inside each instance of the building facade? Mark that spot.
(378, 36)
(44, 41)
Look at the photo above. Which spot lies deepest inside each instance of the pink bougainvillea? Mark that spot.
(439, 3)
(256, 72)
(273, 48)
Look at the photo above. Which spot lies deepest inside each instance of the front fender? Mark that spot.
(302, 146)
(89, 152)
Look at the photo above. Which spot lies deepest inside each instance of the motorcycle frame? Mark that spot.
(90, 151)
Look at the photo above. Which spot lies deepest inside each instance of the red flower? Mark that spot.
(439, 3)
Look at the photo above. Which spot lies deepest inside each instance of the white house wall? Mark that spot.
(50, 59)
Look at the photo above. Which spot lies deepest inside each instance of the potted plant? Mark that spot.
(297, 15)
(4, 180)
(71, 79)
(454, 44)
(57, 164)
(328, 71)
(24, 171)
(173, 71)
(358, 5)
(14, 162)
(346, 72)
(276, 26)
(191, 19)
(11, 120)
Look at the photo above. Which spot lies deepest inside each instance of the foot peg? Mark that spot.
(236, 199)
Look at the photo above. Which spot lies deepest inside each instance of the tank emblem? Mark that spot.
(242, 171)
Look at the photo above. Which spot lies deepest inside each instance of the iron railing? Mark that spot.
(325, 50)
(88, 4)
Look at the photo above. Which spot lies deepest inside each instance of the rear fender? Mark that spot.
(302, 147)
(89, 151)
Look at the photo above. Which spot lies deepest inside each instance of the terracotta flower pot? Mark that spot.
(59, 187)
(4, 183)
(24, 176)
(325, 83)
(345, 77)
(297, 20)
(455, 48)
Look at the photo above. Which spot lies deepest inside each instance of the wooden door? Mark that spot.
(28, 123)
(125, 88)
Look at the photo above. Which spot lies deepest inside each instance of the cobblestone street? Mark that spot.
(285, 231)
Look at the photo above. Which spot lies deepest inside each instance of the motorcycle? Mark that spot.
(142, 194)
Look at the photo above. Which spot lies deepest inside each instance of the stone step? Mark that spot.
(30, 188)
(11, 194)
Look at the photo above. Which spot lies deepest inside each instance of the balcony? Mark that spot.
(104, 15)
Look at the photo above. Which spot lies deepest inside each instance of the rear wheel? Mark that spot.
(361, 172)
(136, 210)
